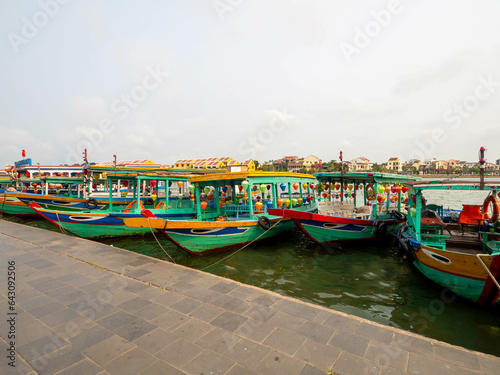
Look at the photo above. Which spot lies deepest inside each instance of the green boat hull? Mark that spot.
(197, 242)
(466, 287)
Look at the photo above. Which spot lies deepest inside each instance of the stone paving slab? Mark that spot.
(87, 308)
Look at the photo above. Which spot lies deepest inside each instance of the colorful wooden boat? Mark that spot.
(233, 210)
(340, 218)
(11, 205)
(109, 222)
(464, 256)
(69, 194)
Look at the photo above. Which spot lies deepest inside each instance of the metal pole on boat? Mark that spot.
(482, 163)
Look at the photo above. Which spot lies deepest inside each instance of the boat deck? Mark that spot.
(84, 307)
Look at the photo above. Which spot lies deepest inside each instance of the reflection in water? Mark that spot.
(365, 279)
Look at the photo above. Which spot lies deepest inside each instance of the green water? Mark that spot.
(366, 280)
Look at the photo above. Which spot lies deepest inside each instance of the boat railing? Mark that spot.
(435, 240)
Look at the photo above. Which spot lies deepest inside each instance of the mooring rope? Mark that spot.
(60, 226)
(248, 244)
(151, 229)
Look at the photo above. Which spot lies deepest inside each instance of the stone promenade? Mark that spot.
(85, 308)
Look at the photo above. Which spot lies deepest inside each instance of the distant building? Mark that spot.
(395, 164)
(361, 164)
(205, 163)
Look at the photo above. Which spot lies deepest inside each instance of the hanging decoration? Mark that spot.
(244, 183)
(258, 206)
(283, 186)
(287, 203)
(153, 183)
(280, 202)
(179, 184)
(203, 205)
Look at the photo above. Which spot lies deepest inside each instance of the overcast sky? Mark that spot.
(166, 80)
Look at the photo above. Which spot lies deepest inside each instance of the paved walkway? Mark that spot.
(86, 308)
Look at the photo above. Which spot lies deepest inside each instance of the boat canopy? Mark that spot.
(228, 178)
(146, 176)
(366, 177)
(453, 185)
(62, 180)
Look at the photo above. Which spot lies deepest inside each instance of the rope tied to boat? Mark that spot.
(152, 231)
(60, 226)
(246, 245)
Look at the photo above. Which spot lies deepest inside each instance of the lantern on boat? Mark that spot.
(308, 198)
(263, 188)
(58, 186)
(346, 195)
(191, 189)
(206, 190)
(254, 188)
(179, 184)
(283, 186)
(379, 198)
(304, 185)
(153, 197)
(387, 189)
(300, 200)
(350, 195)
(240, 188)
(383, 198)
(125, 183)
(203, 196)
(124, 194)
(287, 203)
(258, 206)
(311, 185)
(211, 204)
(104, 175)
(94, 186)
(325, 195)
(34, 185)
(25, 191)
(337, 186)
(398, 189)
(327, 186)
(268, 187)
(381, 189)
(294, 202)
(353, 195)
(245, 184)
(245, 197)
(280, 202)
(35, 191)
(296, 186)
(393, 189)
(394, 199)
(268, 196)
(350, 187)
(153, 183)
(210, 196)
(221, 204)
(203, 205)
(224, 189)
(27, 184)
(179, 195)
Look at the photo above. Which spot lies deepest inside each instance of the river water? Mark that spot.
(365, 279)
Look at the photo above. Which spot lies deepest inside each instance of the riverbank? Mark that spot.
(82, 304)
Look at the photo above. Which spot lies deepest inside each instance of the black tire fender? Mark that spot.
(264, 222)
(91, 203)
(398, 215)
(381, 230)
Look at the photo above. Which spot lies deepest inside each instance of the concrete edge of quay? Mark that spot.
(354, 342)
